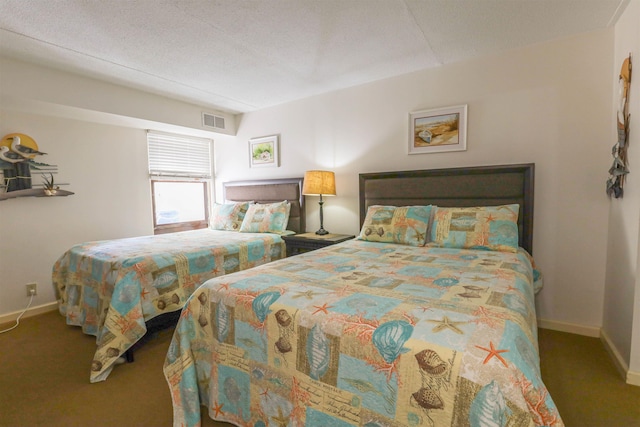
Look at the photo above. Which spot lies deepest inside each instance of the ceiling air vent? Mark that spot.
(211, 121)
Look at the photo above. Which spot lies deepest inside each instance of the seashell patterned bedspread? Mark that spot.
(364, 334)
(110, 288)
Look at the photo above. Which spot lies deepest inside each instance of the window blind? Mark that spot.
(178, 155)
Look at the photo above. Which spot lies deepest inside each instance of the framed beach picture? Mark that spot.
(438, 130)
(263, 152)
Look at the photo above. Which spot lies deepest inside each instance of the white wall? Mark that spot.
(105, 166)
(33, 89)
(621, 323)
(549, 104)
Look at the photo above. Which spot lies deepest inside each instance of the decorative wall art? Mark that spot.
(263, 152)
(438, 130)
(19, 169)
(619, 169)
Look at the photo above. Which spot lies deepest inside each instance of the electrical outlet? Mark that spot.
(32, 289)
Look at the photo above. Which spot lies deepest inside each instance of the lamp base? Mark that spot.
(321, 231)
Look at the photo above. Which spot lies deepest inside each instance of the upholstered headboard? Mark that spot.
(270, 191)
(456, 187)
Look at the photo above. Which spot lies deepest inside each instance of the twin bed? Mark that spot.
(427, 318)
(118, 289)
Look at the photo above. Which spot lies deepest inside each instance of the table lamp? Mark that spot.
(319, 183)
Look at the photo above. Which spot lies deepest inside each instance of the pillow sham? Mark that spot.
(266, 218)
(228, 216)
(492, 228)
(406, 225)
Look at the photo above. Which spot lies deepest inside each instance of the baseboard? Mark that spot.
(630, 377)
(617, 358)
(572, 328)
(33, 311)
(633, 378)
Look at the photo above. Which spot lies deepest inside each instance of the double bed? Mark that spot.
(119, 289)
(427, 318)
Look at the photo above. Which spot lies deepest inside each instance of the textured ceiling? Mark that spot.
(240, 55)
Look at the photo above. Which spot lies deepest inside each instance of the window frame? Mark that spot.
(182, 173)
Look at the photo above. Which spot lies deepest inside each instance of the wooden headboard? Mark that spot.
(271, 191)
(456, 187)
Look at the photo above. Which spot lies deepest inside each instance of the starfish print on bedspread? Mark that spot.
(322, 308)
(218, 408)
(280, 420)
(310, 294)
(446, 323)
(493, 352)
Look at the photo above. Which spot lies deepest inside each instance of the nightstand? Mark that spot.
(305, 242)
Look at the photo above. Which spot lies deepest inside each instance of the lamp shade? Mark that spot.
(318, 183)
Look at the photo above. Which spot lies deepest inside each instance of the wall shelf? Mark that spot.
(32, 192)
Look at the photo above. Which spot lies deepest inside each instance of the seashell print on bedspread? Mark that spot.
(110, 288)
(364, 334)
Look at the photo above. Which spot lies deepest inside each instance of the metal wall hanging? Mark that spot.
(619, 169)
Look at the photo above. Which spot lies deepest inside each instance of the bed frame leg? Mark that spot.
(128, 355)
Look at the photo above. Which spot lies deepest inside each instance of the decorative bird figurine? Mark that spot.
(10, 156)
(23, 150)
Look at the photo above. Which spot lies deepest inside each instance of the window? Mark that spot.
(180, 171)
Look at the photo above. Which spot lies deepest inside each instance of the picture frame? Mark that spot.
(264, 152)
(438, 130)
